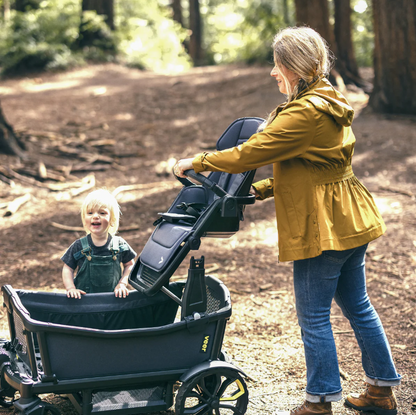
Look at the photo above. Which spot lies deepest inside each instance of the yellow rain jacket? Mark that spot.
(320, 204)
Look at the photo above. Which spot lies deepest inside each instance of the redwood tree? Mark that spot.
(315, 13)
(195, 24)
(102, 7)
(177, 11)
(394, 56)
(345, 51)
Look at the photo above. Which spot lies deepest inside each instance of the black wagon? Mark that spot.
(159, 347)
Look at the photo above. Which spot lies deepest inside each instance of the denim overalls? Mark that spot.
(99, 274)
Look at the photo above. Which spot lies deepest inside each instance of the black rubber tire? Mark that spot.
(218, 391)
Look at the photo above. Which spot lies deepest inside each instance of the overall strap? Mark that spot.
(86, 249)
(115, 249)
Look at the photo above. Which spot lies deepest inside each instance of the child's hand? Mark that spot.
(74, 293)
(121, 290)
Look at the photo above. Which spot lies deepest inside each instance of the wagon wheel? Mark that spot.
(218, 391)
(6, 402)
(6, 391)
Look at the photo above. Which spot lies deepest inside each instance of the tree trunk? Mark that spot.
(102, 7)
(348, 65)
(394, 57)
(195, 43)
(9, 144)
(177, 11)
(286, 18)
(315, 14)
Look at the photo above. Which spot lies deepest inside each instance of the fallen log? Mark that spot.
(14, 205)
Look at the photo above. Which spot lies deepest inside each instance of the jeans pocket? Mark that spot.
(338, 257)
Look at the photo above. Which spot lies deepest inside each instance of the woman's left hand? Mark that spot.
(181, 166)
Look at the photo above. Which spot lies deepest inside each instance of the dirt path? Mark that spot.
(148, 119)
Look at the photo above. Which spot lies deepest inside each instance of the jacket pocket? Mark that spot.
(291, 214)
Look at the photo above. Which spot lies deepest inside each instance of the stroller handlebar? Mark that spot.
(209, 184)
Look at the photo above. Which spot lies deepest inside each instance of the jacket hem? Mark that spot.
(353, 241)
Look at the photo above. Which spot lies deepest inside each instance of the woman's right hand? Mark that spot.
(181, 166)
(75, 293)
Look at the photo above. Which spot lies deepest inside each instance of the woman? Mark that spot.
(325, 219)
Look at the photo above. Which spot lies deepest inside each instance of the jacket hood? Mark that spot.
(324, 97)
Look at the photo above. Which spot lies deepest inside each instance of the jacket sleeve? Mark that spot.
(264, 188)
(288, 136)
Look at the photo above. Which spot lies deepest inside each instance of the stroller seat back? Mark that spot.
(213, 208)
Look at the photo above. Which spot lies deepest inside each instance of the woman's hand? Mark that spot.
(181, 166)
(253, 191)
(75, 293)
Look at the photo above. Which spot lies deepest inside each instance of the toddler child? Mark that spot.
(98, 255)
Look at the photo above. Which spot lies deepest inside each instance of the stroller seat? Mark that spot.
(213, 208)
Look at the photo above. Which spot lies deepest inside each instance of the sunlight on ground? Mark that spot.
(388, 206)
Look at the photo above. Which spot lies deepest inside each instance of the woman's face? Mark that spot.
(279, 72)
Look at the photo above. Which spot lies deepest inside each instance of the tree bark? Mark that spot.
(195, 43)
(9, 143)
(342, 30)
(102, 7)
(177, 11)
(394, 57)
(315, 14)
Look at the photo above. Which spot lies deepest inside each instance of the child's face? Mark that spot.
(97, 220)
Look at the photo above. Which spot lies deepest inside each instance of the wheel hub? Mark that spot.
(215, 403)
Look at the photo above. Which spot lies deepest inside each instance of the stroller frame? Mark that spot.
(112, 355)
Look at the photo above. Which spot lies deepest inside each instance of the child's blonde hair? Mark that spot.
(102, 198)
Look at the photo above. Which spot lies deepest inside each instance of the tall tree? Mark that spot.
(93, 35)
(315, 13)
(177, 11)
(195, 24)
(394, 56)
(102, 7)
(345, 51)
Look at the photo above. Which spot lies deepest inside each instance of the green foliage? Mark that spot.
(95, 39)
(148, 38)
(242, 30)
(56, 36)
(40, 39)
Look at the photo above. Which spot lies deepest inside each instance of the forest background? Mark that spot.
(109, 93)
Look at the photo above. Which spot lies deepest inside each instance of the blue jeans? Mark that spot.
(338, 275)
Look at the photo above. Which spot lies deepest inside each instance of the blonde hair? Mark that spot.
(102, 198)
(304, 52)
